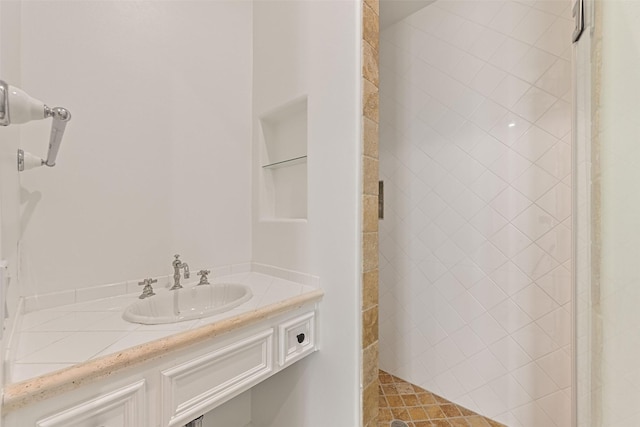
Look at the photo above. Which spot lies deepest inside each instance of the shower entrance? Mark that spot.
(475, 246)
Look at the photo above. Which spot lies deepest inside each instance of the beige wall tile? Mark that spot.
(369, 213)
(370, 103)
(370, 289)
(370, 403)
(370, 26)
(371, 137)
(375, 5)
(370, 182)
(369, 326)
(370, 364)
(370, 60)
(370, 251)
(370, 112)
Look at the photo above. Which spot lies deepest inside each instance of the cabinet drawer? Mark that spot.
(124, 407)
(296, 338)
(192, 388)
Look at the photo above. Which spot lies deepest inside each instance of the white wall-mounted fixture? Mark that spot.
(17, 107)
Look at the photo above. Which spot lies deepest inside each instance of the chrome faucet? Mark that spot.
(147, 291)
(204, 280)
(177, 265)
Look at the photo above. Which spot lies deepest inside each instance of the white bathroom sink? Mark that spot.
(187, 303)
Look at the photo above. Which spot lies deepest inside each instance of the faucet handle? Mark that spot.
(204, 280)
(148, 282)
(147, 291)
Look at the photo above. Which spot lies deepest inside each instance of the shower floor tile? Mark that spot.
(400, 400)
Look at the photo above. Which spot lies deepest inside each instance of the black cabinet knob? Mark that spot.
(300, 338)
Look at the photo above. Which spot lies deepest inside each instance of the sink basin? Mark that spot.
(187, 303)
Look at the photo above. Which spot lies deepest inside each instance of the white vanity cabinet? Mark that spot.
(121, 402)
(123, 407)
(192, 388)
(183, 384)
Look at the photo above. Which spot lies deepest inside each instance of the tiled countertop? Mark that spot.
(65, 344)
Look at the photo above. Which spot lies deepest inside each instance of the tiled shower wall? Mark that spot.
(475, 246)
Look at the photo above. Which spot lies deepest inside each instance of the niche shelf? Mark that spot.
(283, 161)
(286, 163)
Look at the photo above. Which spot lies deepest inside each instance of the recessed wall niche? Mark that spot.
(283, 162)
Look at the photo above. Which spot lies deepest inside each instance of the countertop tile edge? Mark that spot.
(18, 395)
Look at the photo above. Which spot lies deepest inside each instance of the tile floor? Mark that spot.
(400, 400)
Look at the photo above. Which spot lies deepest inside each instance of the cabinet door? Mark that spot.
(124, 407)
(199, 385)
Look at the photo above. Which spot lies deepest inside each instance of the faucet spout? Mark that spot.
(177, 265)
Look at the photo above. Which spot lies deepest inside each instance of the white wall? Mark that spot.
(476, 243)
(313, 48)
(156, 159)
(392, 11)
(281, 74)
(9, 142)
